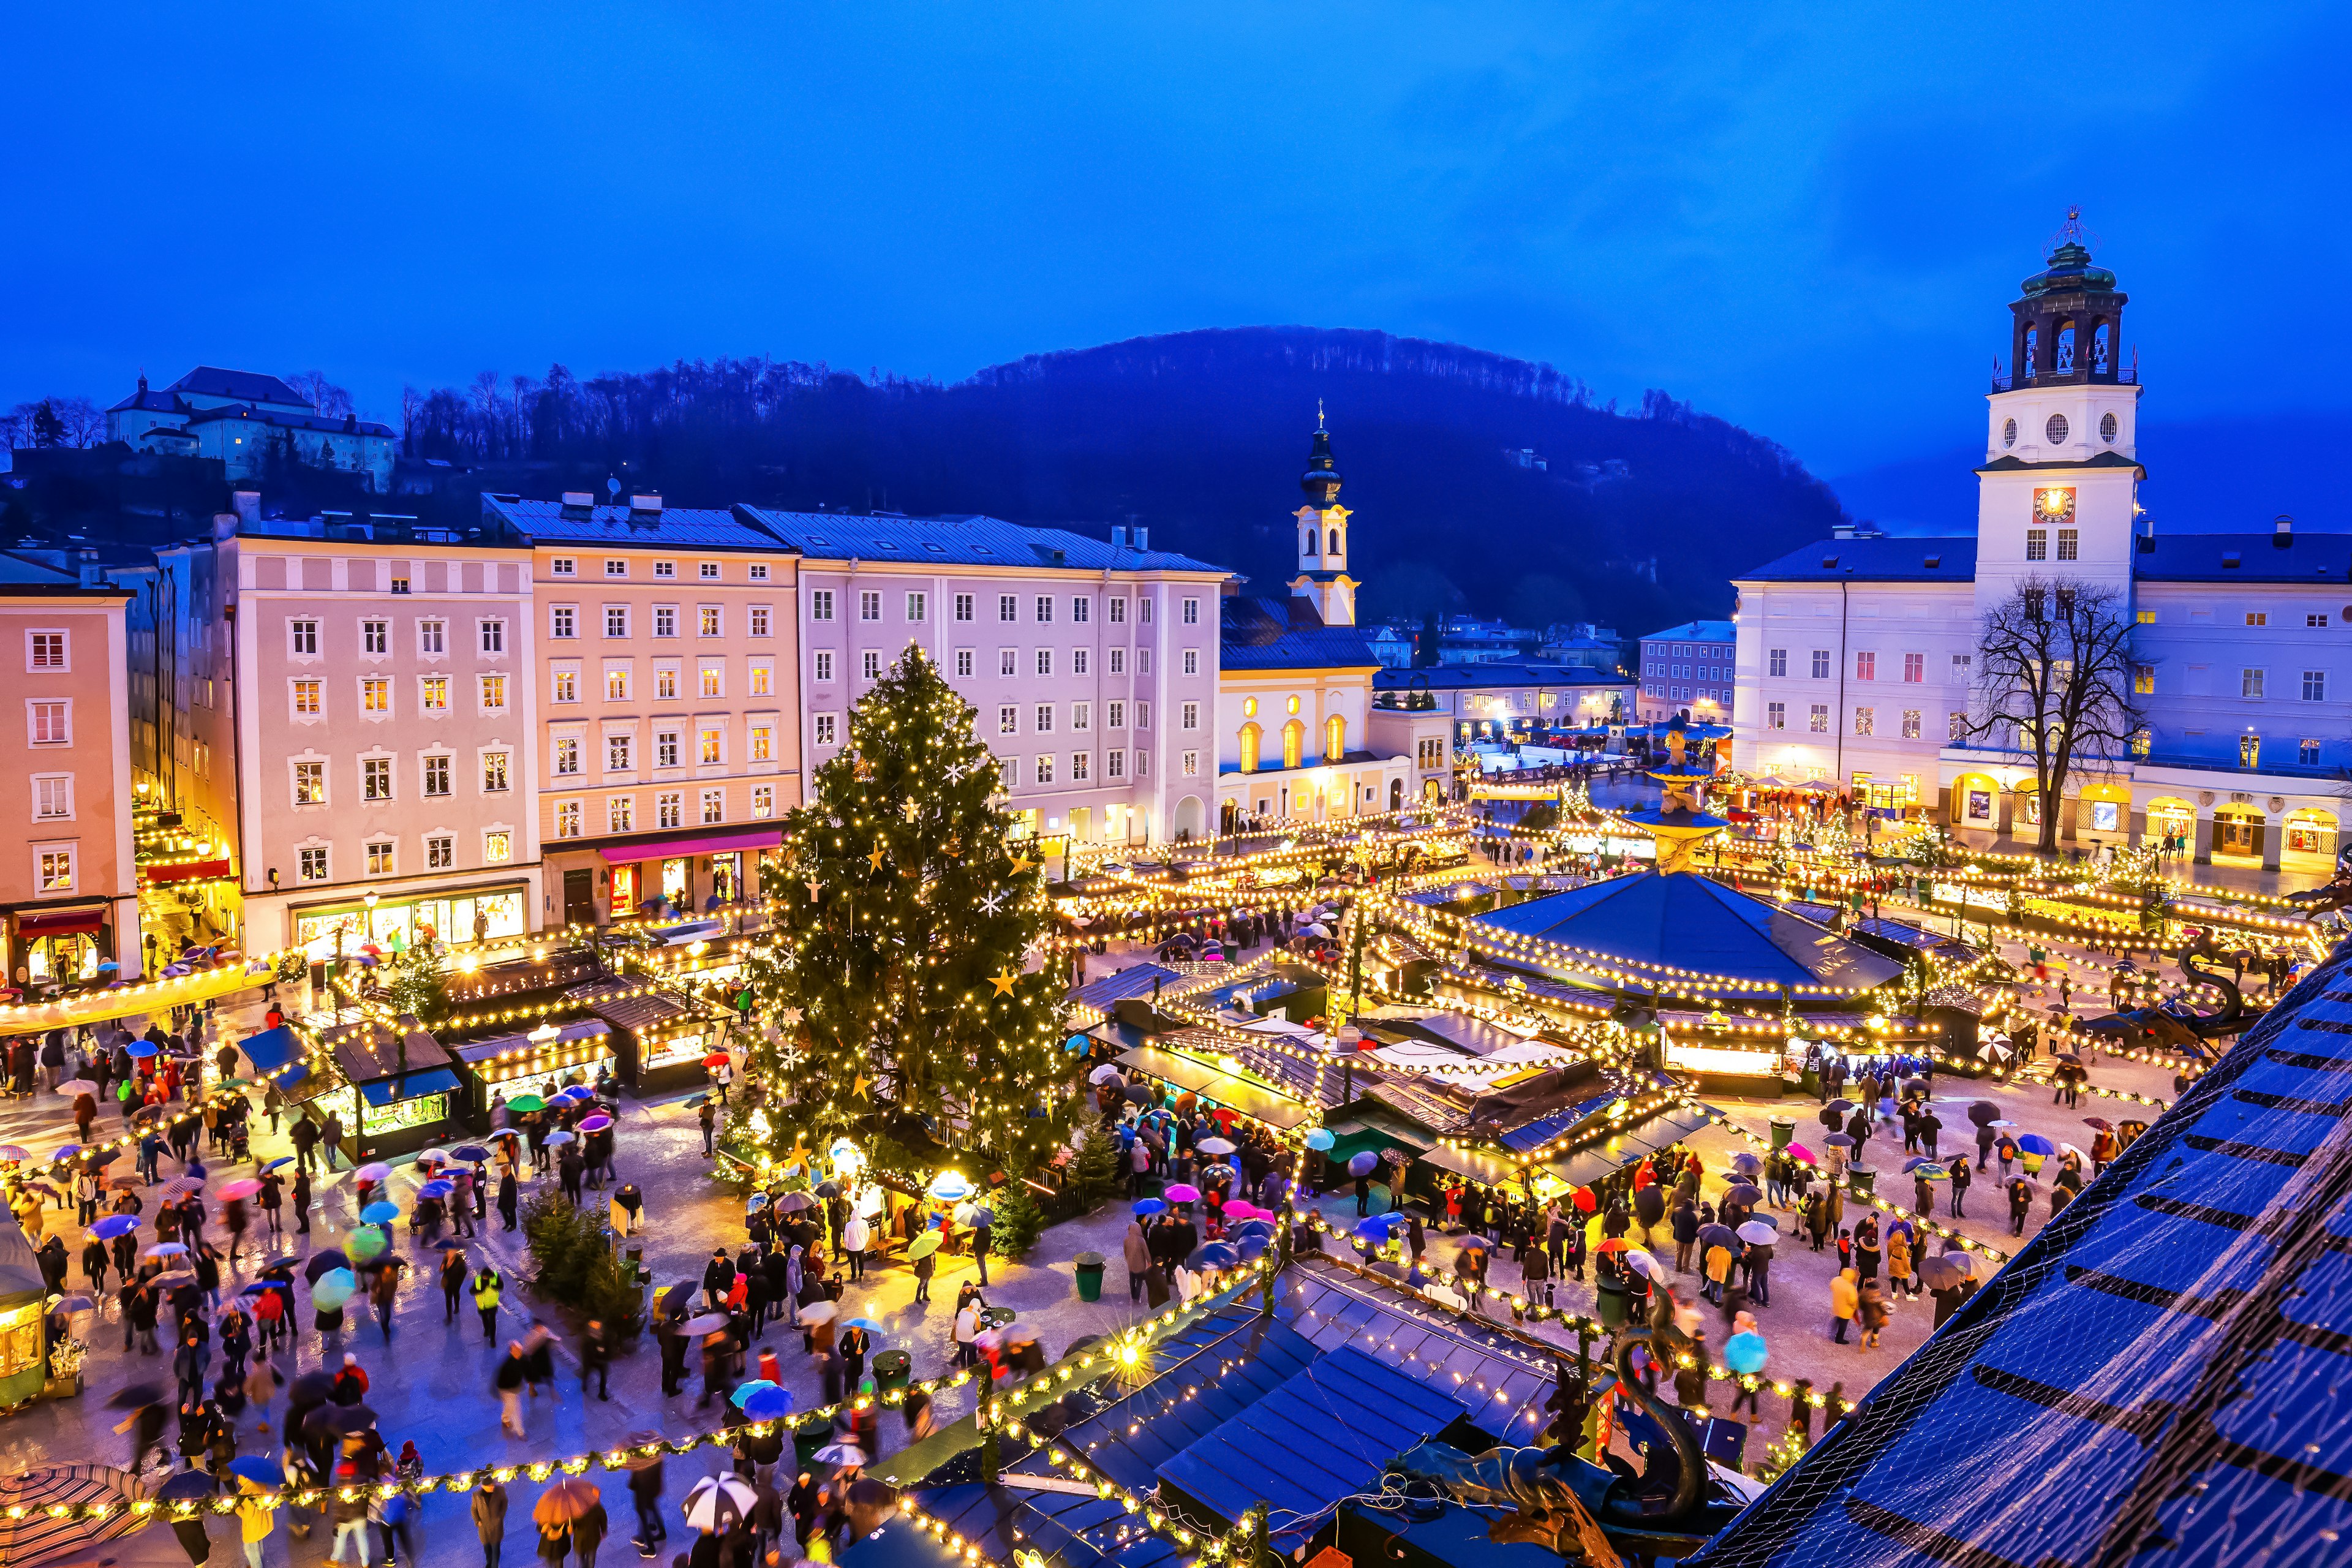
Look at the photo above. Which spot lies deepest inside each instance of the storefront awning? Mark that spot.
(61, 922)
(629, 853)
(414, 1086)
(271, 1049)
(1252, 1101)
(183, 872)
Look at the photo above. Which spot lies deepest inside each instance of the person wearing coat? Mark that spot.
(490, 1512)
(1900, 1279)
(1961, 1175)
(1845, 1299)
(855, 1237)
(1136, 1250)
(1535, 1272)
(1870, 1310)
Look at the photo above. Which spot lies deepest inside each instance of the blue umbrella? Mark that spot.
(1744, 1352)
(2034, 1143)
(1214, 1255)
(141, 1048)
(769, 1404)
(1145, 1206)
(115, 1225)
(380, 1213)
(1320, 1138)
(261, 1471)
(281, 1160)
(1363, 1164)
(436, 1189)
(1075, 1044)
(474, 1152)
(744, 1391)
(1250, 1247)
(1378, 1227)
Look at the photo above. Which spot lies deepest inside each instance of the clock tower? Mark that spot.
(1323, 579)
(2057, 494)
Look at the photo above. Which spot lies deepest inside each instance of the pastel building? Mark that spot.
(668, 689)
(1092, 667)
(1689, 669)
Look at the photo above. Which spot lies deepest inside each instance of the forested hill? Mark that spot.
(1634, 519)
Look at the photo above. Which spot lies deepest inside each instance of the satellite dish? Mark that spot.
(612, 486)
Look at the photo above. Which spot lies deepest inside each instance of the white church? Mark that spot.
(1855, 654)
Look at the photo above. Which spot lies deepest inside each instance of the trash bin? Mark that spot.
(893, 1369)
(1784, 1131)
(1089, 1271)
(1611, 1294)
(1861, 1181)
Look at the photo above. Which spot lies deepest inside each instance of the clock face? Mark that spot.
(2107, 428)
(2008, 434)
(2054, 503)
(2056, 429)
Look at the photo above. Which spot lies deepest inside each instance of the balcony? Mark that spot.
(2094, 376)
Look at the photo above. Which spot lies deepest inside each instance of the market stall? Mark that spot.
(659, 1036)
(399, 1089)
(24, 1347)
(552, 1053)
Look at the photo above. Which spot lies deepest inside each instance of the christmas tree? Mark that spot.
(892, 984)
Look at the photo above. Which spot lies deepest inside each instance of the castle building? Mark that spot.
(1857, 655)
(244, 419)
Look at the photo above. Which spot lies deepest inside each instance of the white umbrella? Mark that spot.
(817, 1312)
(1318, 928)
(1756, 1233)
(1640, 1262)
(1214, 1146)
(1103, 1074)
(841, 1454)
(717, 1503)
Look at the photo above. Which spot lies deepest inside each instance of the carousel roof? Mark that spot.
(1685, 921)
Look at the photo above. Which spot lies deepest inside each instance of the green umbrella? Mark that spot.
(526, 1102)
(923, 1246)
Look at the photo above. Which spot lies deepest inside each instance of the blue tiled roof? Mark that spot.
(1262, 633)
(2243, 558)
(244, 386)
(552, 522)
(969, 540)
(1950, 559)
(1698, 631)
(2163, 1375)
(1501, 673)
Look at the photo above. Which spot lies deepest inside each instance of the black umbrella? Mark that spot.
(1939, 1274)
(311, 1388)
(1742, 1192)
(188, 1486)
(1840, 1105)
(1143, 1094)
(1650, 1203)
(1915, 1085)
(324, 1263)
(346, 1418)
(1711, 1235)
(133, 1395)
(1982, 1111)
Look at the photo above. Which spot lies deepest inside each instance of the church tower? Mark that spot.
(1323, 531)
(2057, 494)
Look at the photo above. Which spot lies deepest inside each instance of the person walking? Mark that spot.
(453, 1284)
(1136, 1250)
(1845, 1299)
(588, 1533)
(1867, 1248)
(301, 1196)
(1900, 1279)
(488, 1287)
(1871, 1311)
(595, 1362)
(1960, 1179)
(646, 1478)
(508, 1382)
(490, 1512)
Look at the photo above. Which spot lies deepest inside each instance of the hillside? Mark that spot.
(1636, 520)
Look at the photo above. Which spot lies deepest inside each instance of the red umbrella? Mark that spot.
(717, 1059)
(1615, 1244)
(1583, 1200)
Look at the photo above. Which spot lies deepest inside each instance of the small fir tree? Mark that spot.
(1096, 1171)
(894, 983)
(1019, 1221)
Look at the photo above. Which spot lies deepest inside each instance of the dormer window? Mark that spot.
(2230, 558)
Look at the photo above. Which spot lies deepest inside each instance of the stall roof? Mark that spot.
(410, 1086)
(625, 1005)
(1484, 1169)
(1586, 1166)
(367, 1051)
(1186, 1072)
(271, 1049)
(1136, 981)
(499, 1045)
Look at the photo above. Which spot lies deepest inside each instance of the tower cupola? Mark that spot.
(2066, 326)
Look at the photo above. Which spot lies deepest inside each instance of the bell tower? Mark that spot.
(2057, 494)
(1323, 542)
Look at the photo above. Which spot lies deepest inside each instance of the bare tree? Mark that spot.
(2053, 677)
(84, 422)
(325, 396)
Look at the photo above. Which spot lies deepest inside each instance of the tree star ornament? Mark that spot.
(1003, 982)
(1022, 863)
(876, 858)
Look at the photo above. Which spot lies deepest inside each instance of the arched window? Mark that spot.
(2103, 338)
(1250, 733)
(1331, 543)
(2032, 352)
(1308, 548)
(1396, 794)
(1335, 738)
(1294, 743)
(2065, 361)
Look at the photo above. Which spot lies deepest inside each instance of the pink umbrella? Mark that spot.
(1240, 1210)
(1799, 1152)
(245, 1188)
(596, 1123)
(1184, 1193)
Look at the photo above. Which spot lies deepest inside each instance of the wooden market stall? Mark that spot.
(399, 1090)
(548, 1057)
(659, 1035)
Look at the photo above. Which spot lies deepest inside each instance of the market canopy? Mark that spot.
(410, 1086)
(139, 996)
(1189, 1073)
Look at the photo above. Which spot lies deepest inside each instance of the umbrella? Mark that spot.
(769, 1404)
(163, 1249)
(558, 1138)
(1378, 1227)
(1320, 1138)
(817, 1312)
(281, 1160)
(143, 1049)
(436, 1189)
(1799, 1152)
(174, 1278)
(1742, 1192)
(311, 1388)
(115, 1225)
(367, 1245)
(841, 1454)
(566, 1498)
(448, 1244)
(323, 1263)
(334, 1289)
(261, 1471)
(1747, 1164)
(828, 1189)
(949, 1185)
(244, 1188)
(1714, 1236)
(188, 1486)
(596, 1122)
(1363, 1163)
(1214, 1255)
(1759, 1232)
(1145, 1207)
(792, 1203)
(2072, 1057)
(1840, 1106)
(180, 1187)
(707, 1322)
(1214, 1146)
(2034, 1143)
(575, 1092)
(1615, 1244)
(717, 1503)
(1937, 1274)
(1103, 1074)
(981, 1215)
(74, 1086)
(1641, 1263)
(526, 1103)
(1839, 1141)
(717, 1059)
(1930, 1170)
(1744, 1352)
(1474, 1242)
(344, 1419)
(380, 1213)
(2101, 1122)
(1184, 1193)
(71, 1304)
(1983, 1113)
(923, 1246)
(474, 1152)
(1142, 1093)
(130, 1396)
(1914, 1162)
(866, 1325)
(1583, 1199)
(375, 1171)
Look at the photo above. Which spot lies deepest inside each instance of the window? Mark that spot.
(664, 568)
(2250, 751)
(759, 620)
(310, 865)
(567, 685)
(1192, 661)
(2068, 542)
(824, 729)
(710, 570)
(1775, 662)
(1191, 612)
(763, 801)
(1865, 721)
(1118, 608)
(1775, 715)
(564, 567)
(763, 743)
(1821, 663)
(617, 749)
(494, 693)
(1008, 662)
(1044, 770)
(1914, 668)
(1044, 718)
(620, 812)
(379, 857)
(763, 678)
(821, 605)
(709, 621)
(2315, 685)
(567, 756)
(1819, 719)
(1044, 608)
(563, 622)
(669, 809)
(2143, 680)
(1077, 661)
(1113, 762)
(302, 638)
(2318, 618)
(494, 635)
(494, 773)
(1118, 654)
(310, 783)
(2250, 684)
(1143, 715)
(666, 679)
(665, 620)
(869, 605)
(759, 570)
(567, 819)
(615, 568)
(1079, 609)
(2037, 544)
(616, 622)
(433, 638)
(964, 607)
(1114, 715)
(1143, 661)
(1078, 763)
(433, 693)
(1080, 712)
(1910, 723)
(437, 776)
(1044, 661)
(1192, 717)
(822, 665)
(1865, 667)
(917, 606)
(714, 806)
(617, 683)
(1192, 760)
(1008, 607)
(1142, 615)
(2258, 617)
(713, 745)
(665, 748)
(375, 778)
(307, 698)
(714, 680)
(52, 796)
(1008, 720)
(963, 662)
(375, 637)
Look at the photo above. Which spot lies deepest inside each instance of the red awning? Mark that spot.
(60, 922)
(708, 844)
(184, 871)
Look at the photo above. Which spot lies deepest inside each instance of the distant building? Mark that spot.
(244, 418)
(1466, 639)
(1508, 701)
(1392, 646)
(1580, 643)
(1689, 669)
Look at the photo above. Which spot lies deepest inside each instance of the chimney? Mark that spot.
(224, 527)
(2282, 532)
(1841, 530)
(652, 503)
(93, 575)
(1118, 536)
(248, 508)
(1142, 537)
(579, 500)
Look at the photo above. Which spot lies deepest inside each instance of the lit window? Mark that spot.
(567, 819)
(494, 693)
(620, 812)
(567, 685)
(617, 683)
(824, 729)
(567, 755)
(763, 801)
(1865, 721)
(1044, 770)
(494, 773)
(440, 852)
(1008, 721)
(617, 753)
(375, 778)
(714, 681)
(379, 857)
(1078, 760)
(437, 776)
(307, 696)
(310, 783)
(710, 620)
(665, 681)
(665, 748)
(669, 809)
(310, 865)
(762, 744)
(763, 678)
(714, 806)
(375, 695)
(433, 693)
(712, 745)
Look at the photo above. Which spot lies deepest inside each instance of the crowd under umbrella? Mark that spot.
(324, 1262)
(1714, 1236)
(1758, 1232)
(1747, 1164)
(715, 1504)
(1743, 1192)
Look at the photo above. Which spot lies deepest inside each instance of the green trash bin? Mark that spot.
(893, 1369)
(1784, 1131)
(1610, 1295)
(1861, 1181)
(1089, 1272)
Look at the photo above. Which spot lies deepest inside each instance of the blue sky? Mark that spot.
(1807, 219)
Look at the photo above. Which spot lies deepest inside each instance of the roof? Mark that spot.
(2316, 558)
(367, 1051)
(244, 386)
(2011, 463)
(552, 523)
(1502, 672)
(150, 402)
(333, 425)
(2168, 1364)
(1265, 633)
(1695, 924)
(1698, 631)
(1137, 980)
(1942, 559)
(20, 1271)
(965, 541)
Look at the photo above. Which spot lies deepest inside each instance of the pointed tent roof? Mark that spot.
(1684, 919)
(20, 1272)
